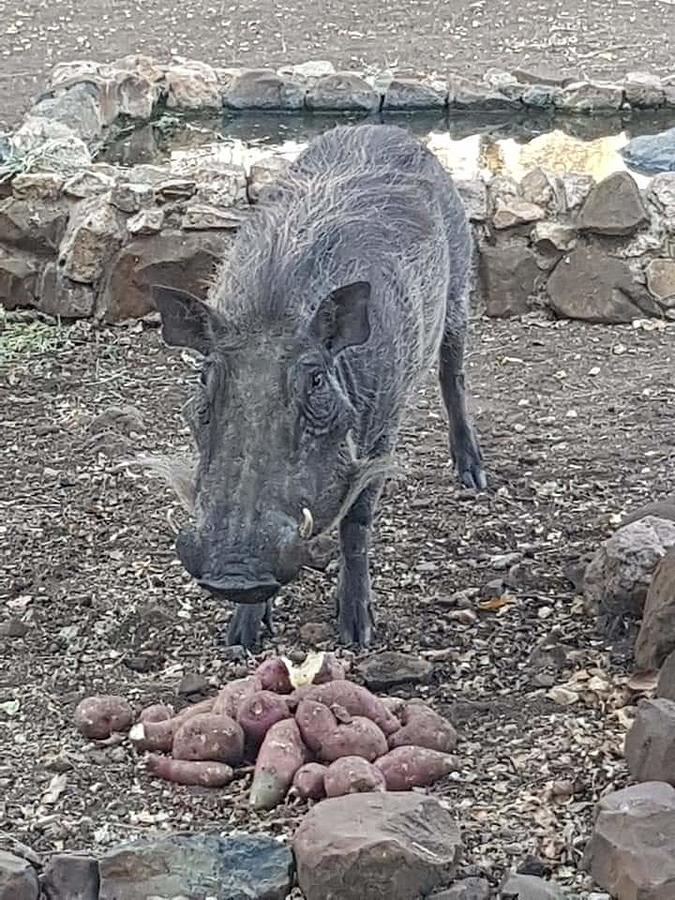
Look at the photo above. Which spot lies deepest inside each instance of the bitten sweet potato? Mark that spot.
(98, 717)
(352, 775)
(357, 701)
(228, 699)
(308, 781)
(154, 735)
(258, 713)
(331, 670)
(281, 755)
(193, 772)
(330, 739)
(424, 727)
(407, 767)
(158, 712)
(274, 676)
(209, 737)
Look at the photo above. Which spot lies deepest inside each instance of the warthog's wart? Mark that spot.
(347, 282)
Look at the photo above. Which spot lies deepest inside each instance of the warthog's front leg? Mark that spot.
(354, 598)
(245, 624)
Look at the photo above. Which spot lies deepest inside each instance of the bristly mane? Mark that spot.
(335, 217)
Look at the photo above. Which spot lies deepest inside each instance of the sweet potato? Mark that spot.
(154, 735)
(258, 713)
(357, 701)
(158, 712)
(274, 676)
(228, 699)
(209, 737)
(331, 739)
(352, 775)
(197, 772)
(423, 727)
(196, 709)
(300, 693)
(308, 781)
(281, 755)
(98, 717)
(395, 705)
(407, 767)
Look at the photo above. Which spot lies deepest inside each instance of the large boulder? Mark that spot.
(591, 285)
(71, 876)
(229, 868)
(614, 207)
(263, 89)
(19, 279)
(95, 231)
(186, 261)
(650, 743)
(18, 880)
(630, 853)
(529, 887)
(369, 846)
(657, 632)
(652, 153)
(389, 669)
(618, 576)
(343, 91)
(35, 227)
(508, 274)
(666, 684)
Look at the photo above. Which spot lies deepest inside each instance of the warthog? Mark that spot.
(347, 282)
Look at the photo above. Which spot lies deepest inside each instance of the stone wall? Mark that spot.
(80, 238)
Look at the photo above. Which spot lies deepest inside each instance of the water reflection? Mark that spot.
(469, 147)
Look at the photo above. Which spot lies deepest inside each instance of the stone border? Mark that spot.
(82, 239)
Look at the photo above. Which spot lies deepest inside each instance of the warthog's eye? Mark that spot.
(319, 406)
(318, 381)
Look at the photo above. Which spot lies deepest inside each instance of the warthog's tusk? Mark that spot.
(306, 527)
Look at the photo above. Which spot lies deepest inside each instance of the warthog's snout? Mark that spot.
(241, 576)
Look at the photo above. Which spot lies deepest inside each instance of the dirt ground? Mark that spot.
(576, 426)
(593, 37)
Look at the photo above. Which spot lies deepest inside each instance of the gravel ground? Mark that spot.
(595, 37)
(576, 425)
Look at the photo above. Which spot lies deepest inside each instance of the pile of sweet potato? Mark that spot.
(309, 731)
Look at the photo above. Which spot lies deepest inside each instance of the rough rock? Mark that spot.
(643, 90)
(514, 211)
(137, 96)
(185, 261)
(312, 68)
(192, 86)
(71, 876)
(221, 186)
(250, 866)
(576, 187)
(630, 853)
(59, 296)
(18, 880)
(665, 687)
(19, 279)
(408, 93)
(509, 275)
(590, 285)
(650, 742)
(94, 232)
(77, 108)
(614, 207)
(37, 186)
(651, 153)
(146, 221)
(203, 216)
(618, 576)
(530, 887)
(661, 509)
(540, 187)
(466, 94)
(542, 96)
(342, 91)
(661, 279)
(554, 235)
(89, 183)
(129, 197)
(36, 227)
(661, 193)
(470, 888)
(656, 638)
(390, 668)
(265, 173)
(474, 197)
(368, 846)
(589, 96)
(263, 89)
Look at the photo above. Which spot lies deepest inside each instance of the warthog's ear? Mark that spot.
(342, 319)
(186, 320)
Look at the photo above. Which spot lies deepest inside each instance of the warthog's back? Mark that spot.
(362, 203)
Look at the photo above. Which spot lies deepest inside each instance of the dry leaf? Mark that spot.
(496, 603)
(56, 787)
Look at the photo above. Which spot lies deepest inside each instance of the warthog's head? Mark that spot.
(271, 420)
